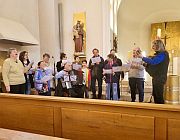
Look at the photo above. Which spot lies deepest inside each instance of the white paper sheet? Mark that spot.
(95, 60)
(47, 78)
(73, 78)
(124, 67)
(116, 69)
(107, 71)
(66, 78)
(77, 67)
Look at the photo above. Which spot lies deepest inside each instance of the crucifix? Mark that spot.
(165, 36)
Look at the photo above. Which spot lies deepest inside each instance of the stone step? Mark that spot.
(125, 88)
(127, 97)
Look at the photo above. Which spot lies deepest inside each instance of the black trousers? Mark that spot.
(118, 90)
(48, 93)
(158, 90)
(93, 86)
(85, 91)
(137, 85)
(17, 89)
(76, 91)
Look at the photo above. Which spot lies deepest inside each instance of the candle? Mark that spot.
(159, 33)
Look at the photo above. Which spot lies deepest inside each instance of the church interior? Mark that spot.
(94, 57)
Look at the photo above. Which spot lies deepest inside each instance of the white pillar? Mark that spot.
(48, 27)
(106, 27)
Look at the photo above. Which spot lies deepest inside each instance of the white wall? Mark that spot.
(40, 17)
(26, 13)
(135, 19)
(94, 21)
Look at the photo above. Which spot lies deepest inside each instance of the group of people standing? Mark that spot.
(19, 76)
(87, 76)
(75, 79)
(156, 66)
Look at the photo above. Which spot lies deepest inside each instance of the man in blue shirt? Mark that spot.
(157, 67)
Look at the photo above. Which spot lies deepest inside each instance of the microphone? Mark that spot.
(53, 59)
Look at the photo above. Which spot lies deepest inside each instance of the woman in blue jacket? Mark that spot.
(42, 87)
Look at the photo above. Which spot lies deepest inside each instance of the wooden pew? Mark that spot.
(89, 119)
(6, 134)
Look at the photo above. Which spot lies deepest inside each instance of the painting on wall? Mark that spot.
(79, 33)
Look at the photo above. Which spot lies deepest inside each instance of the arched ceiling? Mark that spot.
(135, 18)
(138, 10)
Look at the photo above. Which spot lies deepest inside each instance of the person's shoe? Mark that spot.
(94, 97)
(99, 97)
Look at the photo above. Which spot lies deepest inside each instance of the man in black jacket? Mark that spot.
(96, 65)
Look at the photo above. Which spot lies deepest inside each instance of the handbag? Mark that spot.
(44, 89)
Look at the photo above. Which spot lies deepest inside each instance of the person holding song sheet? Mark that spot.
(86, 78)
(13, 73)
(111, 78)
(68, 82)
(77, 69)
(136, 76)
(59, 64)
(49, 68)
(76, 64)
(29, 76)
(121, 75)
(96, 65)
(42, 80)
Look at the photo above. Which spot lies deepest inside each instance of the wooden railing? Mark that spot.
(89, 119)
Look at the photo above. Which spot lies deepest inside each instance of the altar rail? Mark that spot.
(89, 119)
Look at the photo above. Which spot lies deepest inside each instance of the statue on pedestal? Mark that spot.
(115, 43)
(78, 33)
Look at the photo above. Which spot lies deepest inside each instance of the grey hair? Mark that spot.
(10, 51)
(160, 45)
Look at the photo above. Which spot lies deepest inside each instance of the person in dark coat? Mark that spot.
(157, 67)
(59, 64)
(112, 79)
(96, 68)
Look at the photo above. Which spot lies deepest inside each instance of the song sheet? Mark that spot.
(95, 60)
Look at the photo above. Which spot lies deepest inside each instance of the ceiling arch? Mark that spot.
(135, 18)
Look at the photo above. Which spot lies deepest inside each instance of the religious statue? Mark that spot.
(78, 33)
(115, 43)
